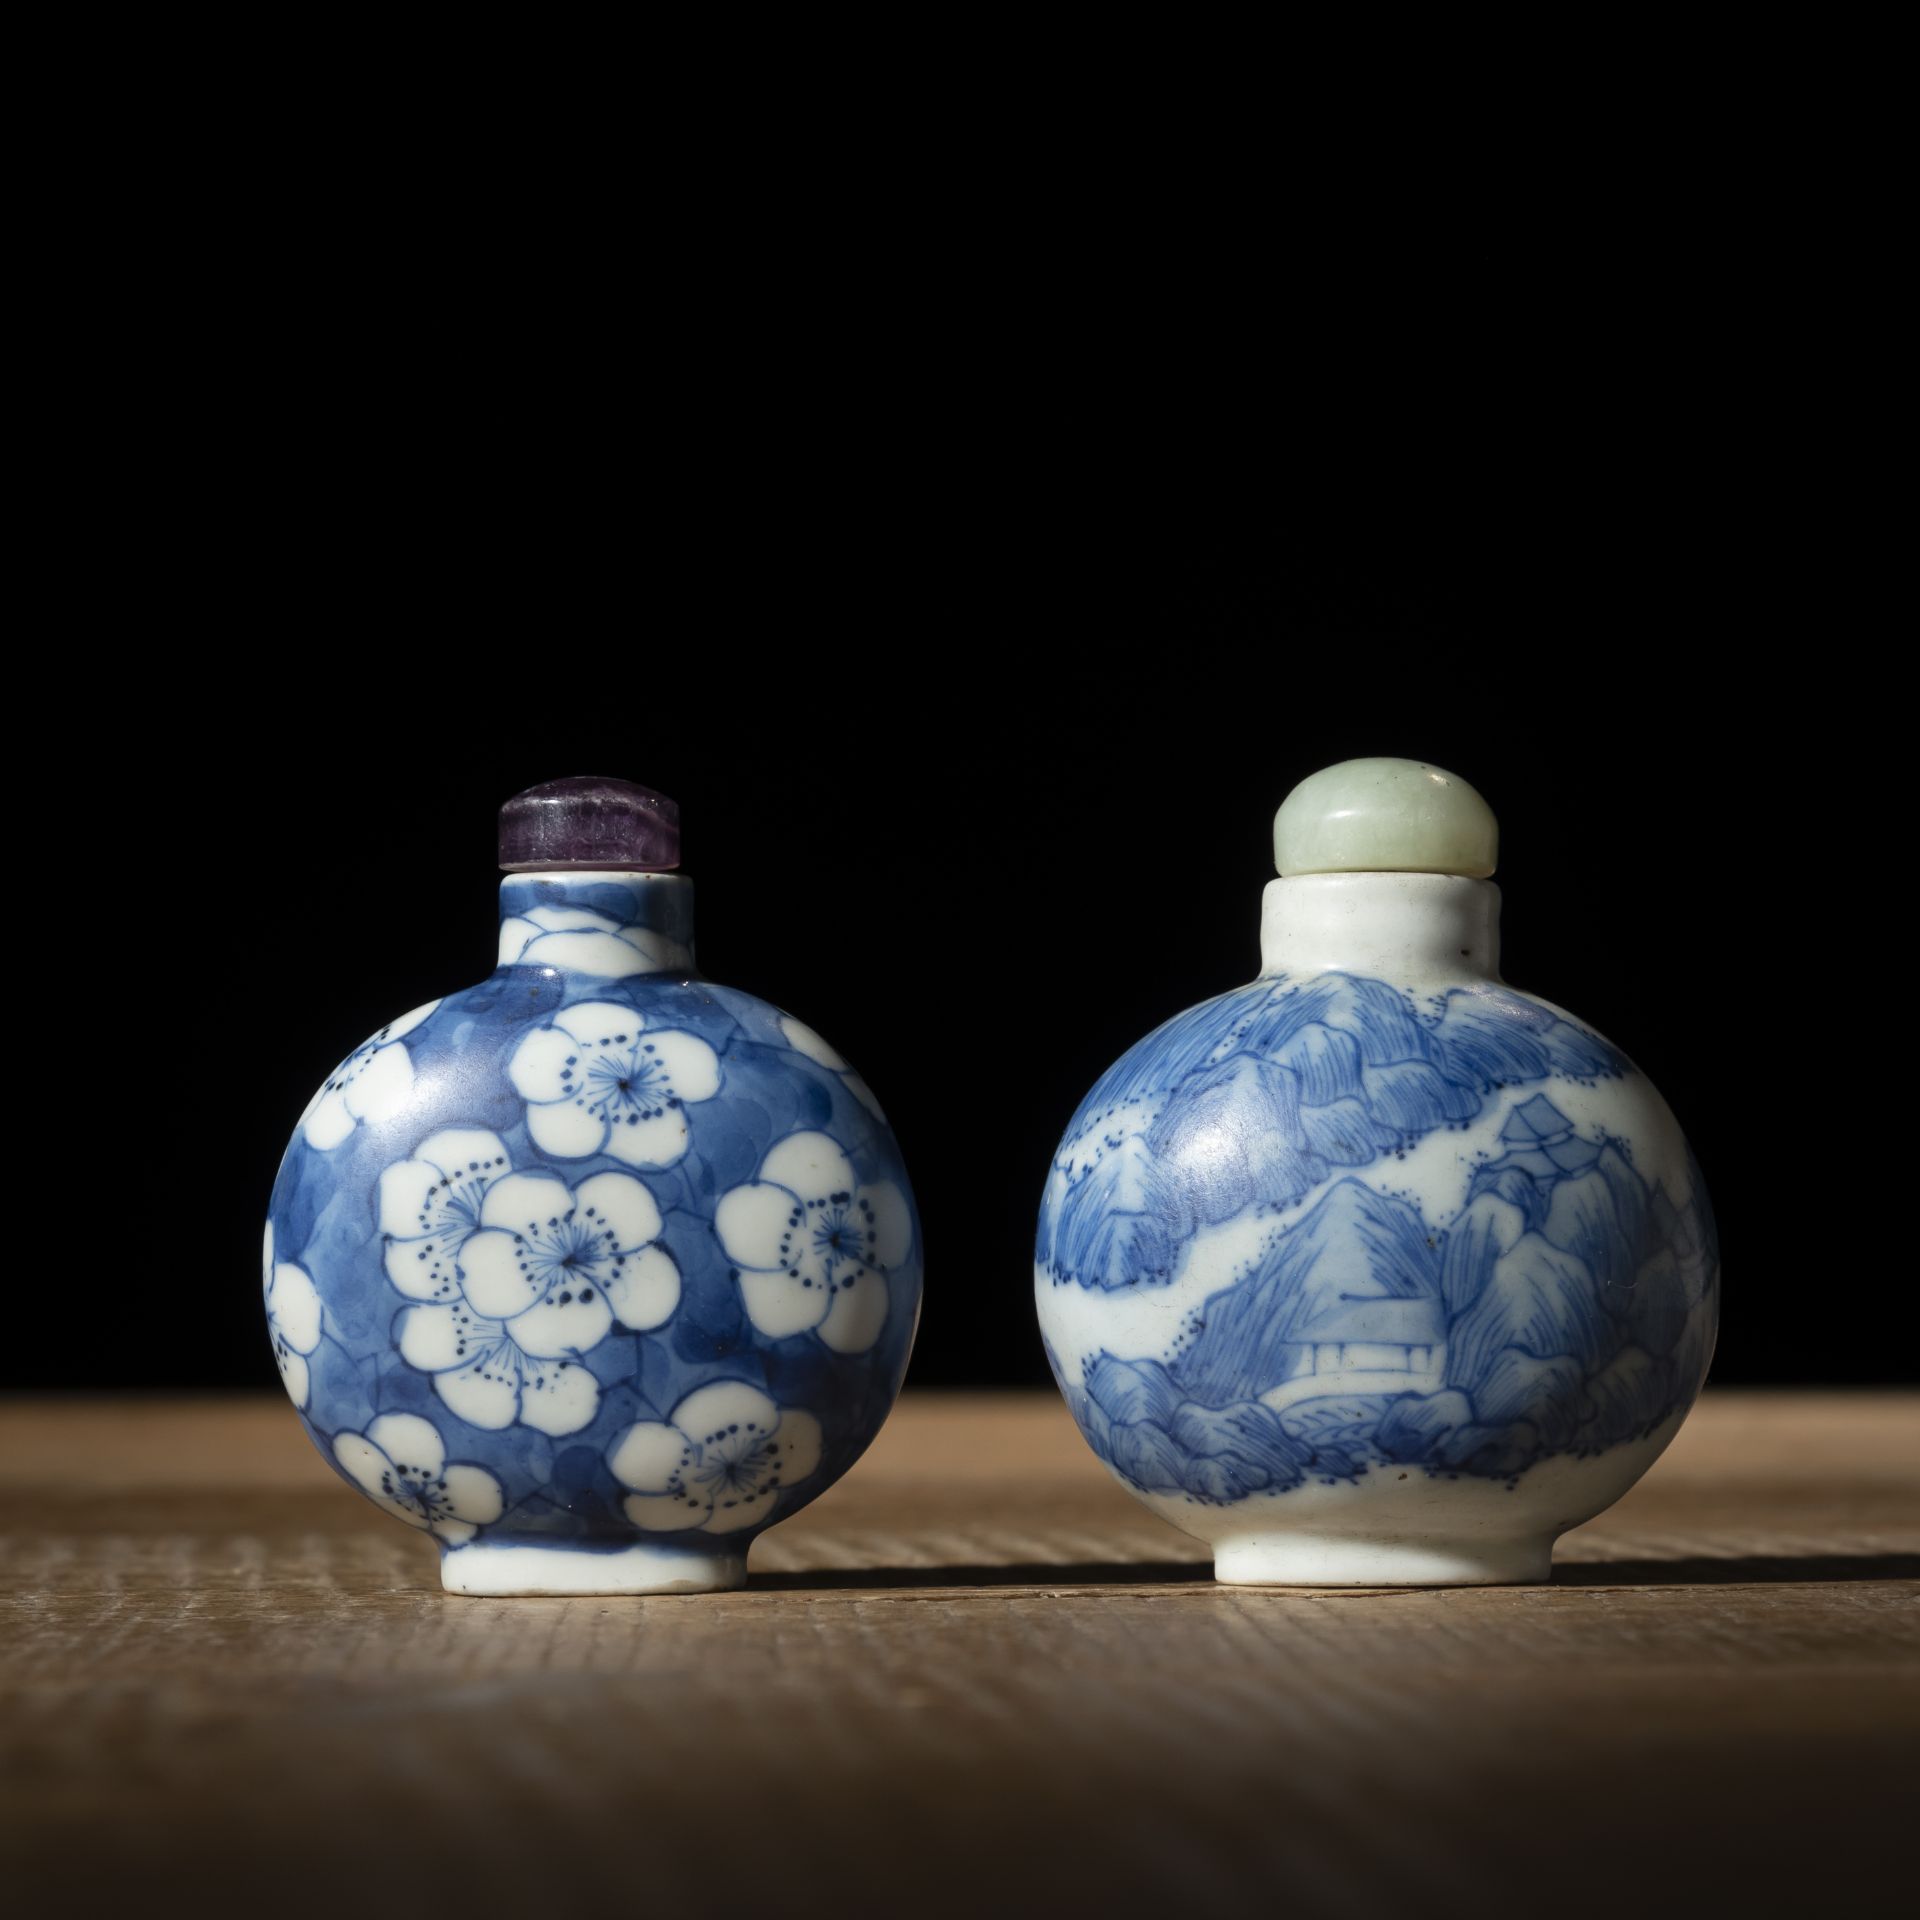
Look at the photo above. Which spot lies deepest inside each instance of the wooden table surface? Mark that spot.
(974, 1678)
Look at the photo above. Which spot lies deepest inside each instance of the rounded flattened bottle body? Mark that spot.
(1374, 1280)
(601, 1273)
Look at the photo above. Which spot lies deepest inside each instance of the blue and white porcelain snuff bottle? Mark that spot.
(594, 1270)
(1377, 1271)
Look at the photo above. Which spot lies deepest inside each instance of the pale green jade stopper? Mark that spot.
(1384, 816)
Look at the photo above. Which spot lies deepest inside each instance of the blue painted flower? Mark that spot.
(401, 1462)
(371, 1083)
(430, 1203)
(718, 1462)
(543, 1277)
(811, 1247)
(598, 1079)
(293, 1319)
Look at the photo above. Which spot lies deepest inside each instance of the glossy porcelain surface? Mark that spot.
(1377, 1270)
(596, 1269)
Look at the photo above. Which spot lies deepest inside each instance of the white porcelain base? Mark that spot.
(1326, 1560)
(1401, 1527)
(507, 1568)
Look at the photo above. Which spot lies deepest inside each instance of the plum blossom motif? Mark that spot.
(802, 1039)
(401, 1463)
(583, 941)
(811, 1248)
(293, 1319)
(719, 1461)
(372, 1082)
(539, 1282)
(598, 1079)
(431, 1203)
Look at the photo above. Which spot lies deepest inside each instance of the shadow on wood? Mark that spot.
(1736, 1569)
(1756, 1569)
(1092, 1573)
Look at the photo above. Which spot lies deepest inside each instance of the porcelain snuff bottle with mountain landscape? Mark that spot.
(595, 1270)
(1377, 1271)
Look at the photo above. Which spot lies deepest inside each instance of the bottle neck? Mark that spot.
(1396, 926)
(606, 925)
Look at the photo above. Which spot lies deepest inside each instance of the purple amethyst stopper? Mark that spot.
(585, 821)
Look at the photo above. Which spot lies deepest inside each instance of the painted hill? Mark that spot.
(1230, 1135)
(1260, 1095)
(1355, 1246)
(1117, 1223)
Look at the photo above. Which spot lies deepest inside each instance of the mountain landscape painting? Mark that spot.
(1565, 1306)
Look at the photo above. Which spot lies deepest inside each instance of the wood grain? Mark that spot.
(975, 1677)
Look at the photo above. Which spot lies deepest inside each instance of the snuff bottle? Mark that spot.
(596, 1269)
(1377, 1271)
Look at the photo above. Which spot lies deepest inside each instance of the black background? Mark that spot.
(982, 803)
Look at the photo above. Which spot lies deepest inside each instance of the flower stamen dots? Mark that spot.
(523, 1273)
(1377, 1271)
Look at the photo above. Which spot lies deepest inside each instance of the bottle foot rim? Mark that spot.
(520, 1568)
(1321, 1560)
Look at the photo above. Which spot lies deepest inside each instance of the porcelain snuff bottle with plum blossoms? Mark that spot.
(595, 1270)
